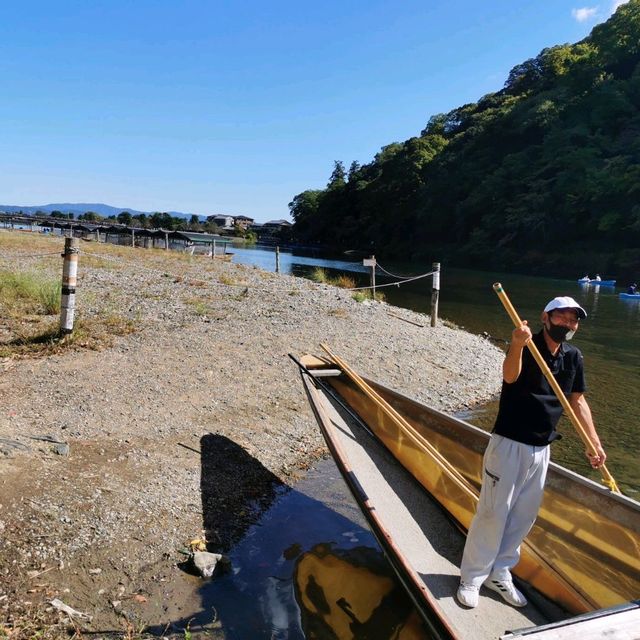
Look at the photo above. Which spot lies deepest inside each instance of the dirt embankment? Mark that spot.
(182, 426)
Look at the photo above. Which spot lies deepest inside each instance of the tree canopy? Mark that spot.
(542, 176)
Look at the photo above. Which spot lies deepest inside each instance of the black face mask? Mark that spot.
(559, 333)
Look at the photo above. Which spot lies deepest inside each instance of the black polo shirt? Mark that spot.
(529, 409)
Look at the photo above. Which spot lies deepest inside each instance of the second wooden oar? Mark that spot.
(407, 428)
(584, 436)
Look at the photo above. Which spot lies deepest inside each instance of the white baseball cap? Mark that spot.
(565, 302)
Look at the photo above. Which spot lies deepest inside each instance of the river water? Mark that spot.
(609, 339)
(310, 568)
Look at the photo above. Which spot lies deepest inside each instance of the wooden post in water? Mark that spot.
(371, 262)
(69, 279)
(435, 293)
(277, 259)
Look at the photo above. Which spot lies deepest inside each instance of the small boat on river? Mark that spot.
(416, 472)
(629, 296)
(602, 283)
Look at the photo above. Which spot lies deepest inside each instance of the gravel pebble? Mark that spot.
(205, 380)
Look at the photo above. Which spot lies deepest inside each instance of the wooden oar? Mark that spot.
(607, 478)
(456, 477)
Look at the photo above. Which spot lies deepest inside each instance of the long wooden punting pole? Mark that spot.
(584, 436)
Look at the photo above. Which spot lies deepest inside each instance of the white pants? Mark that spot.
(512, 488)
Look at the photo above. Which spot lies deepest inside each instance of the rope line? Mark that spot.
(392, 284)
(393, 275)
(35, 255)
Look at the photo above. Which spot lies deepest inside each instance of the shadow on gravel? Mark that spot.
(235, 489)
(307, 568)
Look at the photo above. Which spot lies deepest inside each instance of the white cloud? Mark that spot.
(586, 13)
(616, 3)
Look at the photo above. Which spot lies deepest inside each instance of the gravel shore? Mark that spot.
(204, 382)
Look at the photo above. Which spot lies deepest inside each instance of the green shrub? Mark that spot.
(319, 275)
(344, 282)
(29, 292)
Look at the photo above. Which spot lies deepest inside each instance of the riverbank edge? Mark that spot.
(105, 406)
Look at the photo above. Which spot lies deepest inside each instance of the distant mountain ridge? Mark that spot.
(105, 210)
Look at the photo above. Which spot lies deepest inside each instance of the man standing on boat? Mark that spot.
(516, 460)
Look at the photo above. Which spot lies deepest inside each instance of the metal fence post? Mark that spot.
(69, 279)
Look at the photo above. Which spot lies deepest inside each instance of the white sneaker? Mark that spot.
(508, 591)
(468, 595)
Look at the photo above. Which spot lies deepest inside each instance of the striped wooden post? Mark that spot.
(69, 279)
(435, 293)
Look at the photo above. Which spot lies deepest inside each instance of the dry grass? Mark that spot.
(344, 282)
(29, 325)
(225, 279)
(32, 242)
(28, 293)
(97, 262)
(43, 338)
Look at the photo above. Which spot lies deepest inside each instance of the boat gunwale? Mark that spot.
(422, 597)
(557, 469)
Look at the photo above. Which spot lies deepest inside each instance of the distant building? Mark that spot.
(243, 222)
(225, 222)
(276, 225)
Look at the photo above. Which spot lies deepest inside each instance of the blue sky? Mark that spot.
(236, 106)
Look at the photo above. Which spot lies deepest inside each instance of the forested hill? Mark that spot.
(540, 177)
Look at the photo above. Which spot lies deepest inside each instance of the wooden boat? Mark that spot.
(629, 296)
(581, 557)
(604, 283)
